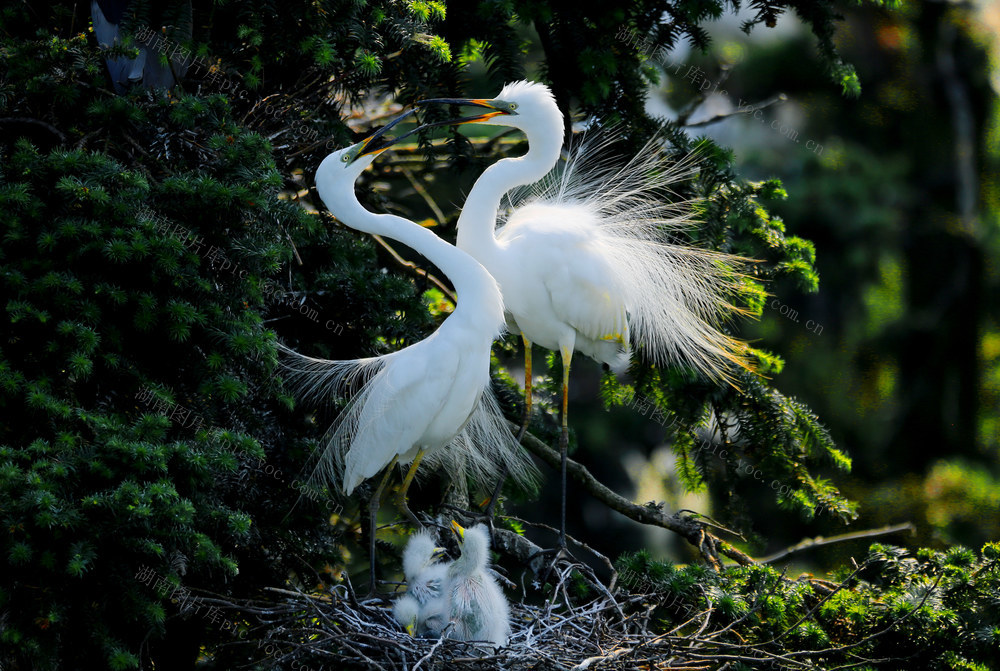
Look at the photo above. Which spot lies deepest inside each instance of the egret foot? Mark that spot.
(526, 419)
(372, 529)
(491, 506)
(404, 508)
(558, 554)
(567, 357)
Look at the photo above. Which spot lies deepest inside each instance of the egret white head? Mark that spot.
(421, 552)
(406, 610)
(528, 106)
(475, 546)
(337, 172)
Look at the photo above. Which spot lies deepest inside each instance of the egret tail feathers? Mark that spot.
(483, 447)
(489, 438)
(318, 382)
(679, 299)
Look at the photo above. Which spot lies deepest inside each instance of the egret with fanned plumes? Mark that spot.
(584, 262)
(429, 402)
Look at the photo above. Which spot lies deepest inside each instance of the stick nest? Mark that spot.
(340, 631)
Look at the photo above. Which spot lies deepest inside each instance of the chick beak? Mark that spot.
(411, 629)
(439, 553)
(459, 531)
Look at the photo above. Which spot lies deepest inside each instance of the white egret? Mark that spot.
(583, 263)
(478, 608)
(428, 401)
(426, 586)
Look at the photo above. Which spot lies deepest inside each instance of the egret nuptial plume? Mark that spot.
(586, 259)
(675, 294)
(430, 401)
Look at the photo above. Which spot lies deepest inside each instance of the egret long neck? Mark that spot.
(479, 215)
(465, 273)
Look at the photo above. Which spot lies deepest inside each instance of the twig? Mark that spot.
(712, 522)
(808, 543)
(420, 189)
(540, 525)
(417, 270)
(774, 100)
(289, 592)
(430, 653)
(34, 122)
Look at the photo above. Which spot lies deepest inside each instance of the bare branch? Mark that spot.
(8, 121)
(420, 189)
(809, 543)
(415, 269)
(774, 100)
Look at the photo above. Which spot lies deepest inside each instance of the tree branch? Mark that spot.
(774, 100)
(686, 526)
(820, 540)
(417, 270)
(34, 122)
(422, 191)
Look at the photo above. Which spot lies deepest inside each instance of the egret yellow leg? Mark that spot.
(567, 357)
(373, 506)
(527, 388)
(403, 506)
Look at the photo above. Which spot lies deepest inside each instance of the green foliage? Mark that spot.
(938, 607)
(597, 55)
(134, 361)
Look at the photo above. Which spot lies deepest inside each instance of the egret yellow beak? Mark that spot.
(373, 144)
(411, 628)
(459, 531)
(438, 553)
(498, 106)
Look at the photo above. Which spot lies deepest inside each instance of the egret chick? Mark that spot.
(426, 580)
(406, 610)
(478, 610)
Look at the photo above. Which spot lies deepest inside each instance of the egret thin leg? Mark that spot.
(496, 495)
(373, 507)
(403, 506)
(567, 357)
(527, 388)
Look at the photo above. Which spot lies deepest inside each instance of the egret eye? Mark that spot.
(346, 158)
(512, 106)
